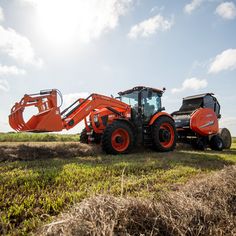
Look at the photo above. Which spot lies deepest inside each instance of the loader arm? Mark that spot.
(94, 101)
(49, 117)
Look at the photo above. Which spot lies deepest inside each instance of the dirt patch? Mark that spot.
(45, 151)
(205, 206)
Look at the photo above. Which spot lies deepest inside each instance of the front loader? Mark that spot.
(136, 117)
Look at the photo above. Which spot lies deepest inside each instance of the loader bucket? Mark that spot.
(48, 117)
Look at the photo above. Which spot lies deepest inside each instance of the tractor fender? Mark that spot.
(157, 115)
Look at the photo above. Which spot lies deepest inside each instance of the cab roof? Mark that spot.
(139, 88)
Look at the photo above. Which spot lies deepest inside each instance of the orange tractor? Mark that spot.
(197, 123)
(135, 117)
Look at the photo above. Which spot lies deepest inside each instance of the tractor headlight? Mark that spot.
(95, 118)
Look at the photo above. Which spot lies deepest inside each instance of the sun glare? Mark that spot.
(67, 21)
(60, 20)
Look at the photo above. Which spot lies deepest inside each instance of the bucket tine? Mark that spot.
(15, 118)
(12, 122)
(21, 122)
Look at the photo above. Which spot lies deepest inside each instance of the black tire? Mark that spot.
(97, 138)
(83, 136)
(216, 143)
(225, 134)
(200, 145)
(108, 146)
(157, 133)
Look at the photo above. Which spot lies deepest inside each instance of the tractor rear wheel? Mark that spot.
(164, 134)
(216, 143)
(118, 138)
(225, 134)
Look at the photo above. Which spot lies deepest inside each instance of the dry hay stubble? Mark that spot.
(202, 207)
(29, 151)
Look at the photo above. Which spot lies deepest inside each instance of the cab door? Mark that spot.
(150, 103)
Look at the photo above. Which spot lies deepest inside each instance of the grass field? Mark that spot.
(40, 137)
(34, 191)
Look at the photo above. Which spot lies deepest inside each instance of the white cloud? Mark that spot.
(84, 21)
(191, 84)
(4, 85)
(1, 15)
(17, 47)
(226, 10)
(33, 2)
(223, 61)
(11, 70)
(189, 8)
(68, 99)
(157, 9)
(150, 26)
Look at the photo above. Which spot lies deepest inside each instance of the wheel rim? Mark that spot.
(219, 144)
(167, 135)
(120, 140)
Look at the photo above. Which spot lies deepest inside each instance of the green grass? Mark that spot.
(34, 191)
(40, 137)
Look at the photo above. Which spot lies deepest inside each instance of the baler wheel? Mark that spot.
(200, 144)
(164, 134)
(226, 137)
(118, 138)
(216, 143)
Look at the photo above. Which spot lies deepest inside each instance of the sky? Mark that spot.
(107, 46)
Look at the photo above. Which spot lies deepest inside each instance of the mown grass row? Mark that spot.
(34, 191)
(42, 137)
(38, 137)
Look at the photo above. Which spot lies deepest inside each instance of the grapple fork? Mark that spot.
(48, 117)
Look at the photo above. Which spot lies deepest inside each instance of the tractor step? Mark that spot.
(147, 135)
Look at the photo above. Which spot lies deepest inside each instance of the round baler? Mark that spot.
(197, 123)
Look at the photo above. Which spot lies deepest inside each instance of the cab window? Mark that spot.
(130, 98)
(151, 103)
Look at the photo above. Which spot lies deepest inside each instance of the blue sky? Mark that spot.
(106, 46)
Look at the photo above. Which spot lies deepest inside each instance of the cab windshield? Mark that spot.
(130, 98)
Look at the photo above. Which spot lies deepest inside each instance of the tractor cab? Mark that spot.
(144, 101)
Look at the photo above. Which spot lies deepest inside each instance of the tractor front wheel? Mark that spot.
(118, 138)
(83, 136)
(164, 134)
